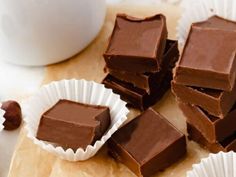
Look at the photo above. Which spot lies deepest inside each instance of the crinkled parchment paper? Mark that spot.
(31, 161)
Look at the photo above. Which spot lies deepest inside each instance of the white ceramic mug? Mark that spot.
(41, 32)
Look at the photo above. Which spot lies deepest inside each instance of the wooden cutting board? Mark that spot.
(31, 161)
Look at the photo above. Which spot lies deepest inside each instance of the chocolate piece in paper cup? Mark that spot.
(200, 10)
(216, 165)
(81, 91)
(2, 119)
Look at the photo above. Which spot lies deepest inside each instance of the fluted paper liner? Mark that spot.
(2, 119)
(200, 10)
(216, 165)
(82, 91)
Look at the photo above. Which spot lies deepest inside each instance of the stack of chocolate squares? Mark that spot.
(140, 59)
(204, 84)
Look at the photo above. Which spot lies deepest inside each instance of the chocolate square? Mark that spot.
(147, 144)
(73, 125)
(209, 56)
(212, 128)
(136, 97)
(216, 102)
(146, 80)
(228, 144)
(137, 45)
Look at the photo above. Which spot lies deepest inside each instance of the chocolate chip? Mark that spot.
(13, 116)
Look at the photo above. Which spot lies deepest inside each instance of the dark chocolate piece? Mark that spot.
(73, 125)
(13, 116)
(212, 128)
(136, 97)
(216, 102)
(228, 144)
(147, 144)
(137, 45)
(145, 80)
(209, 56)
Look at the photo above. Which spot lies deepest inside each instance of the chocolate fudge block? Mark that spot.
(209, 56)
(216, 102)
(228, 144)
(147, 144)
(136, 97)
(212, 128)
(137, 45)
(73, 125)
(145, 80)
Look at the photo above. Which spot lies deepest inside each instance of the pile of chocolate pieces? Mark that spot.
(204, 84)
(140, 60)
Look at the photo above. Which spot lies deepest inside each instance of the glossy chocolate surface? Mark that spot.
(209, 56)
(73, 125)
(147, 144)
(137, 45)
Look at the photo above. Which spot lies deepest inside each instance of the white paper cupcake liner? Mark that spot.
(82, 91)
(216, 165)
(2, 119)
(200, 10)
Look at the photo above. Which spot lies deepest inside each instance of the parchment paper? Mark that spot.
(31, 161)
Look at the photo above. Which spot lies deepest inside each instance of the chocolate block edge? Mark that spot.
(195, 135)
(212, 128)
